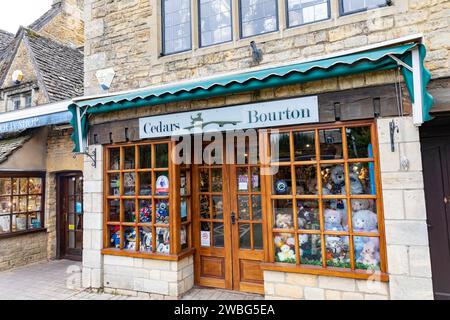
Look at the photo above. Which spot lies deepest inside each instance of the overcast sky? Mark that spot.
(14, 13)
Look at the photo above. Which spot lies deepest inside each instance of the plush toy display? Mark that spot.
(163, 240)
(333, 220)
(356, 186)
(162, 212)
(130, 240)
(285, 248)
(284, 221)
(115, 238)
(337, 251)
(369, 255)
(146, 240)
(145, 214)
(310, 250)
(364, 221)
(304, 217)
(361, 204)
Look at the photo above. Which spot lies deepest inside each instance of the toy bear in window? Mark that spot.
(369, 257)
(285, 248)
(163, 241)
(310, 251)
(333, 220)
(337, 252)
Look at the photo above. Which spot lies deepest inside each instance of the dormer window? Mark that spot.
(20, 101)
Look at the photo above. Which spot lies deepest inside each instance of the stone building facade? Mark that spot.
(28, 147)
(126, 36)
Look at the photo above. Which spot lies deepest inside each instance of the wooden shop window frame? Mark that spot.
(173, 198)
(352, 272)
(24, 175)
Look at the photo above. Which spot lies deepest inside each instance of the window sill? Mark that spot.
(362, 275)
(21, 233)
(150, 256)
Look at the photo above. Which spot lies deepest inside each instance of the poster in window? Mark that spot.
(162, 185)
(205, 238)
(243, 183)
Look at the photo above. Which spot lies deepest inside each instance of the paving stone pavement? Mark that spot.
(61, 280)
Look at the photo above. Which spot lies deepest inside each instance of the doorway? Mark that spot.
(435, 141)
(70, 214)
(229, 225)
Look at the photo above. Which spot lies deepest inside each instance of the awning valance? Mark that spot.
(386, 58)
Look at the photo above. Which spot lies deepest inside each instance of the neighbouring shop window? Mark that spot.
(301, 12)
(325, 199)
(21, 203)
(258, 17)
(138, 210)
(176, 26)
(185, 207)
(215, 22)
(351, 6)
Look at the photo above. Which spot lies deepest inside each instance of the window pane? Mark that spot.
(162, 183)
(162, 211)
(114, 236)
(282, 181)
(34, 203)
(337, 251)
(184, 237)
(146, 240)
(217, 207)
(364, 216)
(245, 236)
(177, 25)
(310, 249)
(145, 183)
(304, 146)
(280, 147)
(114, 210)
(162, 240)
(243, 208)
(129, 208)
(162, 155)
(335, 219)
(302, 12)
(258, 16)
(359, 142)
(306, 177)
(205, 234)
(257, 208)
(5, 226)
(129, 184)
(358, 5)
(367, 253)
(5, 205)
(130, 158)
(204, 207)
(283, 214)
(308, 214)
(215, 21)
(5, 186)
(145, 211)
(145, 157)
(284, 247)
(19, 222)
(362, 178)
(114, 184)
(129, 238)
(257, 236)
(330, 144)
(218, 235)
(34, 220)
(333, 179)
(114, 159)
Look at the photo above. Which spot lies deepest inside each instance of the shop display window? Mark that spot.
(143, 214)
(330, 218)
(21, 203)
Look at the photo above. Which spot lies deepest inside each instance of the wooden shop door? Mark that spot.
(70, 195)
(228, 227)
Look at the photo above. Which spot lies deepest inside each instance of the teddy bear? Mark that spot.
(337, 183)
(336, 249)
(364, 221)
(284, 221)
(333, 220)
(356, 186)
(370, 255)
(286, 254)
(304, 217)
(361, 204)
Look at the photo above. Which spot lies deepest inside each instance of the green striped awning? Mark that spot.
(356, 63)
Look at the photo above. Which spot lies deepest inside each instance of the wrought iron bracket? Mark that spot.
(92, 156)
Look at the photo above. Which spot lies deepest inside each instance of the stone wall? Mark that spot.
(124, 35)
(406, 231)
(156, 278)
(20, 250)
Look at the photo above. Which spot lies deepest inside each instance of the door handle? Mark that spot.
(233, 218)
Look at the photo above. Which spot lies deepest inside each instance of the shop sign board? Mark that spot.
(35, 122)
(249, 116)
